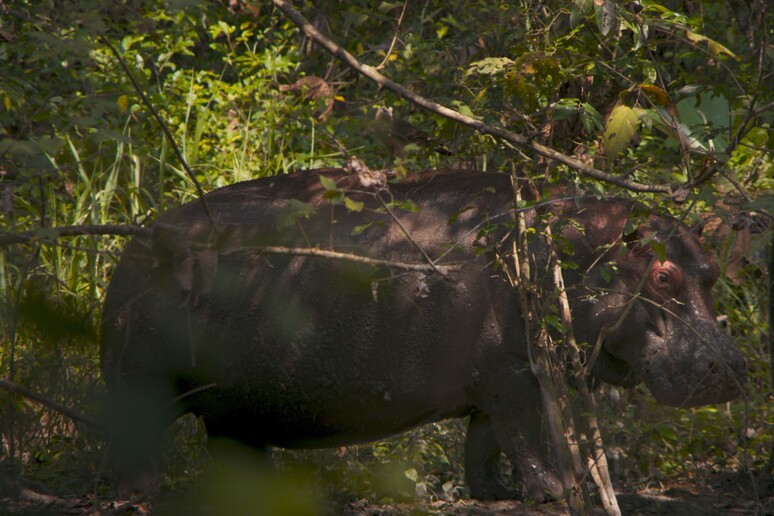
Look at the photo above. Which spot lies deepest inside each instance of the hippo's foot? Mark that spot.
(541, 487)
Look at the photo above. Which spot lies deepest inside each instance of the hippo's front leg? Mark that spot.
(482, 461)
(513, 418)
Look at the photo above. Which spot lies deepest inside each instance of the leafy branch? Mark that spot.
(514, 138)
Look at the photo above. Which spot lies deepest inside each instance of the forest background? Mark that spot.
(673, 101)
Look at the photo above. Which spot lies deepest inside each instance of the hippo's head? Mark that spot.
(660, 319)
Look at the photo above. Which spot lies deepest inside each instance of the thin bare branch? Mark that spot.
(408, 235)
(443, 270)
(394, 36)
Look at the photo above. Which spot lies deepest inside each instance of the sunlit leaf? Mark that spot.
(621, 128)
(328, 183)
(489, 66)
(353, 205)
(715, 48)
(361, 227)
(386, 7)
(406, 205)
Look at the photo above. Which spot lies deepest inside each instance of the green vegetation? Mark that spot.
(656, 93)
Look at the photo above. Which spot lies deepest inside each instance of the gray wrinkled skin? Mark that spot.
(299, 351)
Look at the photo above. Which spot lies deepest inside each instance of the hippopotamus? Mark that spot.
(325, 308)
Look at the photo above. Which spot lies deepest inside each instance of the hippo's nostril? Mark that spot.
(712, 366)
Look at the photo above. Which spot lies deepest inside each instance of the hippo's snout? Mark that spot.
(696, 365)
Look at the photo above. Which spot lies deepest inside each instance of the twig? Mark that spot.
(47, 402)
(408, 235)
(498, 132)
(394, 36)
(164, 128)
(190, 393)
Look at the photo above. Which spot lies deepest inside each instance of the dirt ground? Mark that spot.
(717, 494)
(721, 494)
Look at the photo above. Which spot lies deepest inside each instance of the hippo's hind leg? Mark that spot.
(482, 459)
(136, 421)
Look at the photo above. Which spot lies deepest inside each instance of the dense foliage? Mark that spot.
(659, 93)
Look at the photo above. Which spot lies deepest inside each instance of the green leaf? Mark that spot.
(630, 226)
(621, 128)
(607, 273)
(566, 108)
(463, 108)
(591, 118)
(407, 205)
(386, 7)
(489, 66)
(660, 249)
(335, 196)
(294, 210)
(705, 119)
(605, 16)
(361, 227)
(353, 205)
(353, 18)
(328, 183)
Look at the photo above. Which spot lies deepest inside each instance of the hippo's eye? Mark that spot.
(666, 278)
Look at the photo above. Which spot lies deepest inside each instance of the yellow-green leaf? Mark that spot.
(123, 103)
(621, 128)
(715, 48)
(489, 66)
(353, 205)
(328, 183)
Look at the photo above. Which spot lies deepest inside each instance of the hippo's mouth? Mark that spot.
(613, 370)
